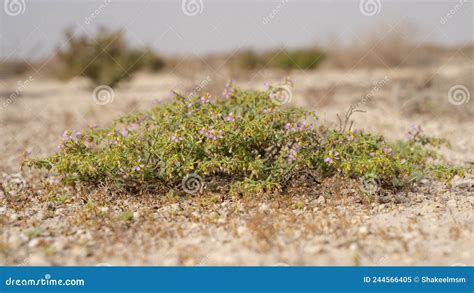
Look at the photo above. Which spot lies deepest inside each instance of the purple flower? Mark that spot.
(387, 151)
(372, 154)
(353, 135)
(293, 153)
(304, 125)
(68, 136)
(231, 117)
(206, 99)
(122, 132)
(291, 156)
(132, 126)
(211, 133)
(328, 160)
(175, 138)
(228, 89)
(137, 168)
(412, 132)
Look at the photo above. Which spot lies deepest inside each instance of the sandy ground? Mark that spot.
(433, 225)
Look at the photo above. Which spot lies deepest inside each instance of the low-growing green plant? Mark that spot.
(105, 58)
(245, 138)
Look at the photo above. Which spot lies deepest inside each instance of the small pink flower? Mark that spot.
(132, 126)
(387, 151)
(137, 168)
(122, 132)
(176, 139)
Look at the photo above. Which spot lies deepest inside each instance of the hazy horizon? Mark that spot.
(226, 26)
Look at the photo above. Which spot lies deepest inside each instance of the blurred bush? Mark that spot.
(104, 58)
(304, 59)
(248, 59)
(13, 68)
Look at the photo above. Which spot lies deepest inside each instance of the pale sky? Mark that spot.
(221, 26)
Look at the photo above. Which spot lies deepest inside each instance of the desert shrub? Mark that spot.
(246, 138)
(296, 59)
(104, 58)
(13, 68)
(387, 47)
(247, 59)
(304, 59)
